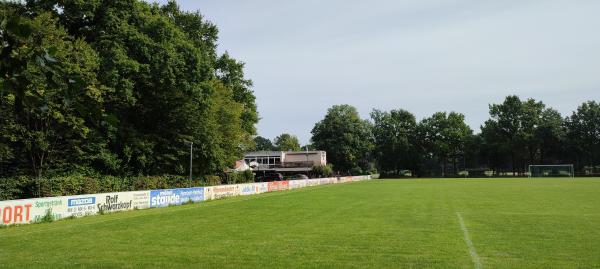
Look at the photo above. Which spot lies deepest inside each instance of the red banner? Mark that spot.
(279, 185)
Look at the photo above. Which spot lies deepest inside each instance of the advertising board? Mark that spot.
(169, 197)
(248, 189)
(296, 184)
(33, 210)
(278, 185)
(262, 187)
(218, 192)
(312, 182)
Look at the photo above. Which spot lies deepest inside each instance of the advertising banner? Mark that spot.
(345, 179)
(278, 185)
(218, 192)
(169, 197)
(248, 189)
(262, 187)
(312, 182)
(28, 210)
(329, 180)
(33, 210)
(296, 184)
(120, 201)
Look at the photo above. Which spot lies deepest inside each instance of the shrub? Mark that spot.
(12, 188)
(322, 170)
(212, 180)
(356, 171)
(373, 171)
(48, 217)
(23, 187)
(240, 177)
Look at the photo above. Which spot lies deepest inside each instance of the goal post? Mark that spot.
(551, 170)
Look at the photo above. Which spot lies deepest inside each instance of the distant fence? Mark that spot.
(26, 211)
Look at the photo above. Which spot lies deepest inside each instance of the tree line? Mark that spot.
(517, 134)
(119, 87)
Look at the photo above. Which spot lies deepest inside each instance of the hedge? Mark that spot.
(24, 187)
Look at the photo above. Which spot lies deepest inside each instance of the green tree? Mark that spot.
(445, 136)
(287, 142)
(583, 132)
(396, 141)
(231, 73)
(345, 137)
(51, 101)
(119, 87)
(263, 144)
(551, 137)
(526, 131)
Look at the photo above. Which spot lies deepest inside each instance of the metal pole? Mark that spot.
(191, 158)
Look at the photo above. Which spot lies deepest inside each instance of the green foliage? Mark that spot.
(356, 171)
(117, 88)
(444, 136)
(322, 170)
(397, 142)
(47, 218)
(213, 180)
(51, 98)
(287, 142)
(522, 133)
(12, 188)
(583, 132)
(240, 177)
(74, 184)
(263, 144)
(345, 137)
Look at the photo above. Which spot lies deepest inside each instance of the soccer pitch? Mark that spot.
(417, 223)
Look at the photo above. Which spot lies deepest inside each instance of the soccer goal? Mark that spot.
(553, 170)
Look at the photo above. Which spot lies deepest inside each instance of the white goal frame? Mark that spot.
(570, 166)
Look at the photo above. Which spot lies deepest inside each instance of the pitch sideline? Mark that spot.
(470, 245)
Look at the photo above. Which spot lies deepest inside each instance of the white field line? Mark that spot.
(472, 251)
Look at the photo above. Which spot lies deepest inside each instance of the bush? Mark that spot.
(212, 180)
(356, 171)
(239, 177)
(322, 170)
(373, 171)
(47, 218)
(23, 187)
(10, 188)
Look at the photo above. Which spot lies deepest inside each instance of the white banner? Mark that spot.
(296, 184)
(32, 210)
(222, 191)
(262, 187)
(248, 189)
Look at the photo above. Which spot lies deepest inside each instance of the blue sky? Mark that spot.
(423, 56)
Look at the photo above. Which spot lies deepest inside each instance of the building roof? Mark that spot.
(264, 153)
(303, 152)
(281, 153)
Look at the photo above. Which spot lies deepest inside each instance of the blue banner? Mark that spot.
(163, 198)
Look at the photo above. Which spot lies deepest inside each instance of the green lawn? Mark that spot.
(512, 223)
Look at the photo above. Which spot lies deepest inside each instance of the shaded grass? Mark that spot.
(513, 223)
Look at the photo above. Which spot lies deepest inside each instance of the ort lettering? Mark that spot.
(15, 214)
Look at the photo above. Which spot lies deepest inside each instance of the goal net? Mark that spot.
(555, 170)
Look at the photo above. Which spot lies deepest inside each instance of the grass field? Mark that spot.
(425, 223)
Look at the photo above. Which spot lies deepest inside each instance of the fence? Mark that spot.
(26, 211)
